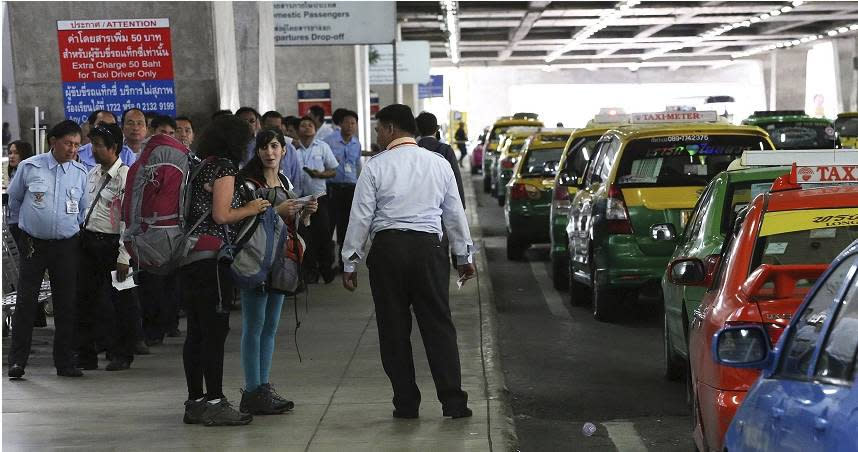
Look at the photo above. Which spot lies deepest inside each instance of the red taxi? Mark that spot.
(779, 246)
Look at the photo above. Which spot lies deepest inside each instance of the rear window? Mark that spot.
(541, 162)
(847, 127)
(800, 135)
(682, 160)
(812, 236)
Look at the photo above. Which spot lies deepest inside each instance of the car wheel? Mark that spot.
(501, 199)
(673, 366)
(487, 184)
(559, 276)
(605, 301)
(514, 248)
(579, 294)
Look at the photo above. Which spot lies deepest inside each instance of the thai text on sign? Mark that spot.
(116, 64)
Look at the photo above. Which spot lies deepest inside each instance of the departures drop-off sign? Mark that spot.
(333, 23)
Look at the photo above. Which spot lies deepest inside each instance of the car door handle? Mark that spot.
(777, 413)
(820, 423)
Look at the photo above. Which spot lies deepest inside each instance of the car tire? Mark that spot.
(487, 184)
(515, 248)
(559, 273)
(605, 301)
(501, 200)
(673, 365)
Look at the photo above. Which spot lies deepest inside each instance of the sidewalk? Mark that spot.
(342, 397)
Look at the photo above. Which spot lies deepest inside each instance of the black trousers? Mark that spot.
(159, 300)
(97, 302)
(408, 270)
(60, 258)
(320, 250)
(340, 207)
(207, 291)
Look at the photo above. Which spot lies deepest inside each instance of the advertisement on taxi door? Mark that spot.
(116, 64)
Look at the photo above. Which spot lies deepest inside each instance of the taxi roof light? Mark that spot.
(672, 117)
(801, 157)
(610, 119)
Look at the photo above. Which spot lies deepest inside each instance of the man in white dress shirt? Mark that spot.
(402, 196)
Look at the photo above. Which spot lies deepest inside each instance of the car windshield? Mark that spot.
(810, 236)
(497, 131)
(541, 162)
(801, 135)
(515, 147)
(847, 127)
(682, 160)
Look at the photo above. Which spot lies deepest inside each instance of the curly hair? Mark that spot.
(226, 137)
(253, 169)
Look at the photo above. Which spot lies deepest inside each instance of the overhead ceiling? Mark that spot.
(628, 33)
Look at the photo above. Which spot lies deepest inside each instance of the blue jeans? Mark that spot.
(260, 315)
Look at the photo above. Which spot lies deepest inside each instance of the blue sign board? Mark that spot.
(435, 87)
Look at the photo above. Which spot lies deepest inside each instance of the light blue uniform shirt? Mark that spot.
(348, 156)
(84, 156)
(46, 199)
(317, 156)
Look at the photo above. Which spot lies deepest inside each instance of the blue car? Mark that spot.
(807, 396)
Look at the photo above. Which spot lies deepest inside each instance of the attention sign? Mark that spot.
(115, 65)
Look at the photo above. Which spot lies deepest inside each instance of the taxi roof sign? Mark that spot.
(620, 118)
(662, 117)
(806, 157)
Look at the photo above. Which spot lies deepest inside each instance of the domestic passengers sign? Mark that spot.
(114, 65)
(333, 23)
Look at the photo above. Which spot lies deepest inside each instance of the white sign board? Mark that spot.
(674, 117)
(412, 63)
(333, 23)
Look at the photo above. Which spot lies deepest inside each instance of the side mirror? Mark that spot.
(687, 272)
(742, 346)
(665, 232)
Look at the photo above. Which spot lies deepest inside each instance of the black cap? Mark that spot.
(111, 133)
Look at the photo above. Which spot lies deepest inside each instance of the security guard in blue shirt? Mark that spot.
(46, 200)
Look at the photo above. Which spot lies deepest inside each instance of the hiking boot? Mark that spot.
(194, 411)
(16, 372)
(279, 401)
(259, 401)
(222, 414)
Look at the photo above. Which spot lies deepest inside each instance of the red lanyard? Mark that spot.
(412, 142)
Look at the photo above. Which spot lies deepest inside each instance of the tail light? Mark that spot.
(507, 163)
(562, 202)
(616, 213)
(518, 192)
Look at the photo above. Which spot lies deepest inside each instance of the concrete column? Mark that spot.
(10, 101)
(789, 74)
(246, 22)
(315, 64)
(267, 67)
(362, 94)
(846, 73)
(223, 21)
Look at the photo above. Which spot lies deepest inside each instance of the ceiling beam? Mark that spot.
(534, 12)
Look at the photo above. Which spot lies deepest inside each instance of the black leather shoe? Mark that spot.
(87, 365)
(155, 341)
(69, 372)
(405, 414)
(119, 364)
(174, 333)
(16, 372)
(140, 348)
(459, 413)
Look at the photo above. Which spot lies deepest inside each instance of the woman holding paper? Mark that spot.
(261, 306)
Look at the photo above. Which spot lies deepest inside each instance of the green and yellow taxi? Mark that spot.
(490, 149)
(846, 127)
(579, 148)
(649, 172)
(703, 238)
(794, 129)
(509, 151)
(529, 191)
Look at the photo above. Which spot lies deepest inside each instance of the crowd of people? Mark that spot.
(66, 206)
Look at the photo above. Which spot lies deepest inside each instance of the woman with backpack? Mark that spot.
(206, 286)
(261, 306)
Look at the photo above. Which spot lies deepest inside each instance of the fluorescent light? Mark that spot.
(451, 26)
(776, 12)
(798, 3)
(786, 9)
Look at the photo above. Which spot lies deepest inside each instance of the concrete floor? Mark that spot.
(341, 394)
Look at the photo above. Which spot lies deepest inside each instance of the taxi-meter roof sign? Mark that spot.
(674, 117)
(824, 174)
(800, 157)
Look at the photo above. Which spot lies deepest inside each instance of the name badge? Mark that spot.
(349, 168)
(72, 206)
